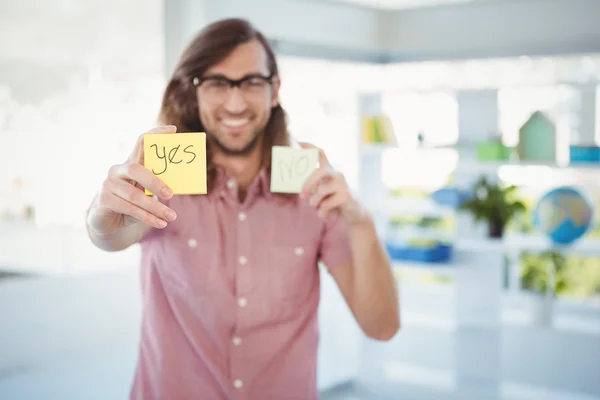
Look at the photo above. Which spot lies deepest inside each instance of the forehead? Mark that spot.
(247, 58)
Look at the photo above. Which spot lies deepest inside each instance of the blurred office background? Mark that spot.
(413, 100)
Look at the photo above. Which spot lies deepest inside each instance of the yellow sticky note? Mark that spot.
(178, 159)
(291, 167)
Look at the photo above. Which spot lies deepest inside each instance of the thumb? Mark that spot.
(306, 145)
(323, 161)
(137, 155)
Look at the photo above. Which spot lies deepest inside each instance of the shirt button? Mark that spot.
(242, 302)
(242, 216)
(230, 184)
(237, 341)
(192, 243)
(243, 260)
(299, 251)
(238, 384)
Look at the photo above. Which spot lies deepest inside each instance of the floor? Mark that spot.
(86, 349)
(98, 378)
(103, 379)
(351, 392)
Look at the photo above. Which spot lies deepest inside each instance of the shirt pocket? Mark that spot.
(188, 265)
(293, 272)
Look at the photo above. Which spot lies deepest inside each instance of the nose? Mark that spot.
(235, 102)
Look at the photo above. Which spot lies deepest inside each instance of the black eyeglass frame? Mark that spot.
(231, 82)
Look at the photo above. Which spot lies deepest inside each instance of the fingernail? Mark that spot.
(171, 215)
(162, 223)
(166, 193)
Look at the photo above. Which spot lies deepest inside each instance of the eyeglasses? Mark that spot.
(216, 89)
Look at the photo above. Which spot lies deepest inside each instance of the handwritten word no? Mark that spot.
(171, 157)
(294, 167)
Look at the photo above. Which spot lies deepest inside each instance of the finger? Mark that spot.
(145, 178)
(163, 129)
(319, 175)
(137, 155)
(122, 206)
(295, 144)
(330, 204)
(323, 160)
(138, 199)
(322, 191)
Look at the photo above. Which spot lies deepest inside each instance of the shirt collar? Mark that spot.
(224, 183)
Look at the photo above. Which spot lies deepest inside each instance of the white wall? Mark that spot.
(325, 24)
(296, 25)
(73, 34)
(465, 30)
(495, 28)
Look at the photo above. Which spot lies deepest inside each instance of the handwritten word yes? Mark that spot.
(172, 157)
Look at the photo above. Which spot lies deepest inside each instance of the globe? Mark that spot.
(563, 214)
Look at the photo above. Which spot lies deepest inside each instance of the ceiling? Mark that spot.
(403, 4)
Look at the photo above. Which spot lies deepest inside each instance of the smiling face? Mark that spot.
(235, 117)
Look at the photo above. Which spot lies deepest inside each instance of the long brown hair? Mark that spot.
(213, 44)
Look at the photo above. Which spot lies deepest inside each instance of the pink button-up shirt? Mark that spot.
(230, 296)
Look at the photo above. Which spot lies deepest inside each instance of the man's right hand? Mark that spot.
(123, 202)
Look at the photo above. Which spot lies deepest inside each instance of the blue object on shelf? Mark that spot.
(564, 214)
(584, 154)
(440, 253)
(450, 197)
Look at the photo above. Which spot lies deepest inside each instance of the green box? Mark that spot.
(493, 151)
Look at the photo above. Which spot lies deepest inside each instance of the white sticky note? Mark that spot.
(291, 167)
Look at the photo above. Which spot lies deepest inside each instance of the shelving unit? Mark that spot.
(478, 266)
(477, 308)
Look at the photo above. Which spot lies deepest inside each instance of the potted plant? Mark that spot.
(494, 204)
(542, 277)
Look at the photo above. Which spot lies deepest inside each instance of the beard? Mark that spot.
(244, 151)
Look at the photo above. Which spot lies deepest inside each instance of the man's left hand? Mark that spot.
(327, 190)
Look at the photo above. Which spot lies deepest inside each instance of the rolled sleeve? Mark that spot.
(335, 244)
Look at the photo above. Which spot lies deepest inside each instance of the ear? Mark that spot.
(275, 94)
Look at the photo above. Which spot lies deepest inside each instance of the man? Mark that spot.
(230, 280)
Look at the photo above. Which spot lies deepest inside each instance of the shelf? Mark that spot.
(476, 166)
(417, 206)
(481, 245)
(406, 152)
(471, 163)
(536, 243)
(440, 269)
(369, 149)
(511, 243)
(524, 243)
